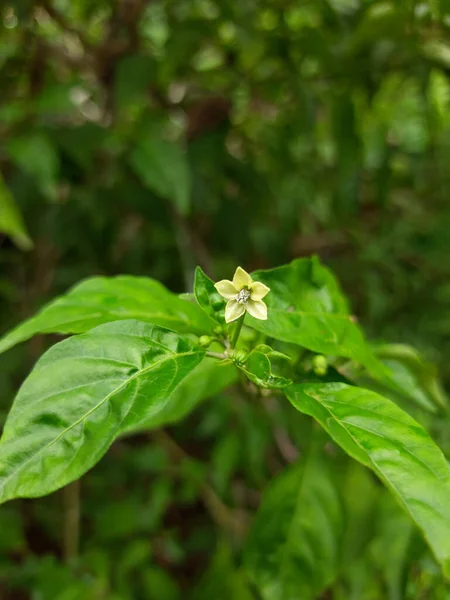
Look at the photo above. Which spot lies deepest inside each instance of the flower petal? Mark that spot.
(233, 311)
(241, 279)
(258, 290)
(226, 289)
(257, 309)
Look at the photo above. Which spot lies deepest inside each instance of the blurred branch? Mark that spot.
(61, 20)
(71, 529)
(219, 512)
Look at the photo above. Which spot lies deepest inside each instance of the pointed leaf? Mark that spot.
(378, 433)
(104, 299)
(81, 395)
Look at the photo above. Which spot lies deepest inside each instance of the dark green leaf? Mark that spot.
(82, 394)
(11, 221)
(163, 168)
(376, 432)
(102, 299)
(293, 548)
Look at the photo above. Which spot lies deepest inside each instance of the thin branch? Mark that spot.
(71, 530)
(219, 512)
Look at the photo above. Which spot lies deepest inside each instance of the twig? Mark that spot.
(217, 355)
(71, 532)
(220, 513)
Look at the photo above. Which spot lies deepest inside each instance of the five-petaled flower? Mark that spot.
(243, 294)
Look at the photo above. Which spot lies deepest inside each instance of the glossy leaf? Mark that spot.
(102, 299)
(11, 221)
(306, 307)
(81, 395)
(208, 379)
(293, 548)
(208, 297)
(376, 432)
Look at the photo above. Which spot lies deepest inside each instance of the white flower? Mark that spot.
(243, 294)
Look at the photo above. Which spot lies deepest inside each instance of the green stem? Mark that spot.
(237, 331)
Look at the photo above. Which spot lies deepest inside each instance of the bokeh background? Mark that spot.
(147, 137)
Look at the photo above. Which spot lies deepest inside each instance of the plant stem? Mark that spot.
(216, 355)
(237, 331)
(71, 520)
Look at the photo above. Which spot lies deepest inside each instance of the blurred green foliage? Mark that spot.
(148, 137)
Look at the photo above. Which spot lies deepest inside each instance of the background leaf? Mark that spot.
(163, 168)
(376, 432)
(11, 221)
(293, 548)
(82, 394)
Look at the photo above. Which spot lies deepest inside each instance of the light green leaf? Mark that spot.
(293, 548)
(208, 379)
(82, 394)
(103, 299)
(11, 221)
(163, 168)
(306, 307)
(378, 433)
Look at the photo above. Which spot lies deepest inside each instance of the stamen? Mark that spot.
(243, 296)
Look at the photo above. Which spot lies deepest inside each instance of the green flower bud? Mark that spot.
(240, 356)
(218, 330)
(320, 365)
(205, 341)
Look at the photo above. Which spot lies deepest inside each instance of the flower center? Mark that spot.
(243, 296)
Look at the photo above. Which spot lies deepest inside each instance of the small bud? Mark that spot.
(204, 341)
(218, 330)
(320, 365)
(240, 356)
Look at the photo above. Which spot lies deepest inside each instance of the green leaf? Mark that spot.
(101, 300)
(391, 549)
(163, 168)
(258, 369)
(11, 221)
(293, 548)
(413, 375)
(222, 580)
(36, 155)
(81, 395)
(208, 297)
(306, 307)
(379, 434)
(208, 379)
